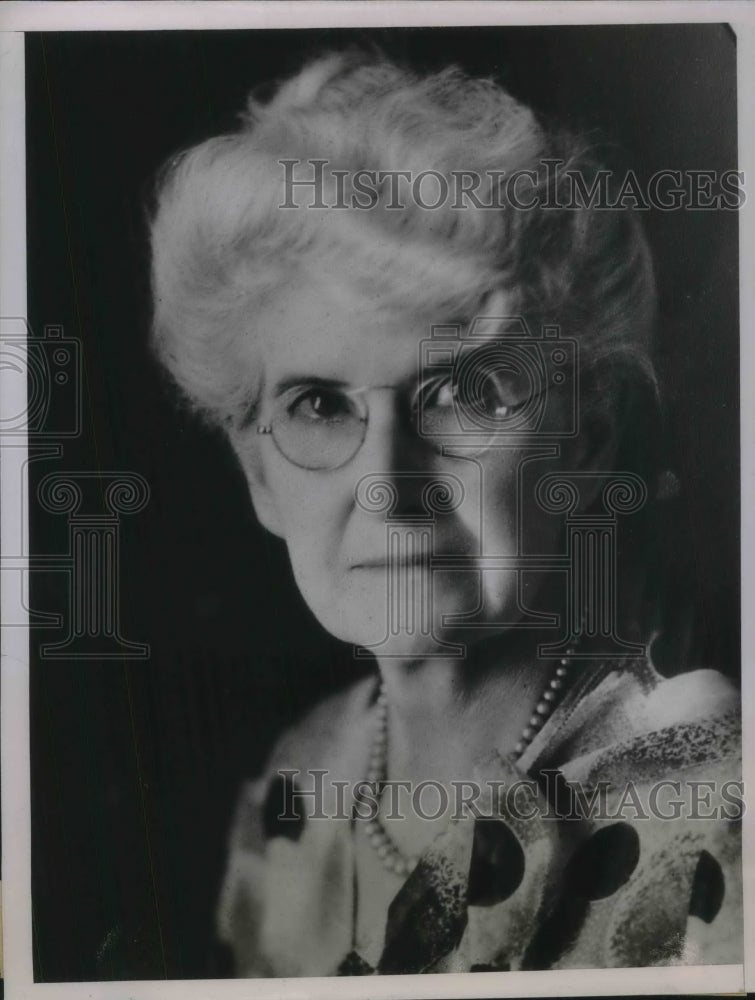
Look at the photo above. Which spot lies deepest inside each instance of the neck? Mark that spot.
(443, 713)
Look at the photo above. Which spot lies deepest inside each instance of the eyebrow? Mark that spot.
(318, 382)
(314, 382)
(294, 381)
(301, 381)
(291, 382)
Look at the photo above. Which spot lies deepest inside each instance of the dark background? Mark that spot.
(135, 764)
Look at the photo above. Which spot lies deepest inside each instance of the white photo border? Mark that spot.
(15, 19)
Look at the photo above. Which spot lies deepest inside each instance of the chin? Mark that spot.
(408, 635)
(406, 623)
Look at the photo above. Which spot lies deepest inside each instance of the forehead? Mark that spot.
(331, 329)
(320, 326)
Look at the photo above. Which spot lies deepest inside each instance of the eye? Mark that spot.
(438, 395)
(320, 405)
(494, 394)
(497, 399)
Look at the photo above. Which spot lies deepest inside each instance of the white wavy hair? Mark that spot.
(221, 245)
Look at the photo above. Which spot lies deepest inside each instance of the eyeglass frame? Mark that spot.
(472, 451)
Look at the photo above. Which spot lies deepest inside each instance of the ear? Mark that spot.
(248, 454)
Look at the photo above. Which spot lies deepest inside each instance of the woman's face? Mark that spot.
(365, 572)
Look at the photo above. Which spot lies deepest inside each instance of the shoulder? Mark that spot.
(637, 699)
(689, 696)
(271, 840)
(329, 734)
(652, 703)
(331, 737)
(633, 711)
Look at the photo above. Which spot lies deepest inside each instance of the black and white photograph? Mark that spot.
(372, 533)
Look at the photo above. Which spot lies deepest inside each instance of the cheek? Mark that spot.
(315, 569)
(490, 510)
(348, 605)
(512, 517)
(502, 518)
(313, 515)
(310, 506)
(312, 545)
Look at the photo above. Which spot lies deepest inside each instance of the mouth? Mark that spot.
(402, 563)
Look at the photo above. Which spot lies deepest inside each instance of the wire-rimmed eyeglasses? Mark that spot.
(319, 425)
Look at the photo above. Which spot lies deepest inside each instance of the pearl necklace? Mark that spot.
(378, 837)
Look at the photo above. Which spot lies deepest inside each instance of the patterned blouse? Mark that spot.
(643, 869)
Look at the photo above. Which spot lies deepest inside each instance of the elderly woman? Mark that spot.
(432, 360)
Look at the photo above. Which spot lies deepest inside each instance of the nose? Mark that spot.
(393, 452)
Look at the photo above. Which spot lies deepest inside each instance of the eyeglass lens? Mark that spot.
(456, 413)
